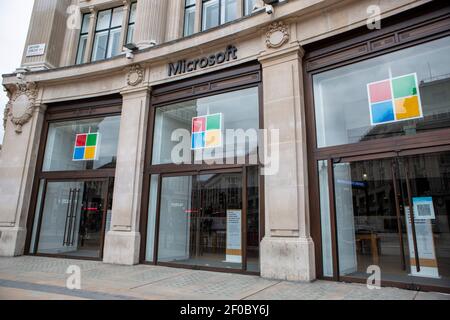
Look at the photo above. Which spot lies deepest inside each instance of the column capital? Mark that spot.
(292, 51)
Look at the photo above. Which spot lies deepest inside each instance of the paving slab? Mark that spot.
(39, 278)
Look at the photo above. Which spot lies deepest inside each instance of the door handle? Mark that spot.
(68, 212)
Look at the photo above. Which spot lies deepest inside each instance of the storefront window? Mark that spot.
(82, 144)
(401, 93)
(237, 110)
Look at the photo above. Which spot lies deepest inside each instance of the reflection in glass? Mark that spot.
(195, 220)
(72, 219)
(61, 143)
(341, 95)
(151, 223)
(239, 109)
(327, 253)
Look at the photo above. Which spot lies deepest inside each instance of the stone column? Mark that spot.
(122, 243)
(287, 250)
(175, 19)
(150, 22)
(91, 34)
(47, 27)
(23, 122)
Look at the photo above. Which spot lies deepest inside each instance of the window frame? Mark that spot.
(109, 29)
(79, 39)
(131, 23)
(220, 14)
(186, 7)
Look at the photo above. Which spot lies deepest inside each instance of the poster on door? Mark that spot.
(234, 234)
(425, 247)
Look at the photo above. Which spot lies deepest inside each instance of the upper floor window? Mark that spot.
(216, 12)
(131, 23)
(107, 34)
(248, 6)
(189, 17)
(82, 44)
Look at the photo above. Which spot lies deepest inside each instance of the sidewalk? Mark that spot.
(41, 278)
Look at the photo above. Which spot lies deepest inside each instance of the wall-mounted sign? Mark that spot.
(423, 208)
(35, 50)
(207, 132)
(86, 147)
(186, 66)
(234, 234)
(394, 99)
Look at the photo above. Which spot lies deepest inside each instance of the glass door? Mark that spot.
(208, 219)
(394, 213)
(425, 187)
(72, 218)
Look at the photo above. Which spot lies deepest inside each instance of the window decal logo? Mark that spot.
(207, 132)
(394, 99)
(86, 147)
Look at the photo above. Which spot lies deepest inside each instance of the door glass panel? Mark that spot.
(425, 183)
(368, 228)
(73, 219)
(201, 219)
(253, 224)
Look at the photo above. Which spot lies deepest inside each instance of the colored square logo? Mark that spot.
(86, 146)
(207, 132)
(78, 153)
(380, 91)
(199, 124)
(81, 140)
(213, 138)
(407, 108)
(214, 122)
(404, 86)
(382, 112)
(89, 153)
(395, 99)
(198, 141)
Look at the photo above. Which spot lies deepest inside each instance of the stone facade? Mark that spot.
(276, 41)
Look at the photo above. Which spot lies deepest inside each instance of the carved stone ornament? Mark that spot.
(135, 75)
(21, 105)
(277, 35)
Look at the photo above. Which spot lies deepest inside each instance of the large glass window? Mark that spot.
(82, 144)
(238, 110)
(216, 12)
(189, 17)
(400, 93)
(107, 35)
(82, 44)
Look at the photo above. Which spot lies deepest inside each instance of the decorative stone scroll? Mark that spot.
(21, 106)
(277, 35)
(135, 75)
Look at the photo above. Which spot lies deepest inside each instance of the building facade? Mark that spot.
(298, 140)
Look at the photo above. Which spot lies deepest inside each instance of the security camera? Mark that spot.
(153, 43)
(130, 49)
(269, 9)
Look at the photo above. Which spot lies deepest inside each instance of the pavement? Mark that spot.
(39, 278)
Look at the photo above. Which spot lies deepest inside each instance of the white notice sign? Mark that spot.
(425, 247)
(234, 232)
(35, 50)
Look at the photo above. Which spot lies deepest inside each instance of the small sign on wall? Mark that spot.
(34, 50)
